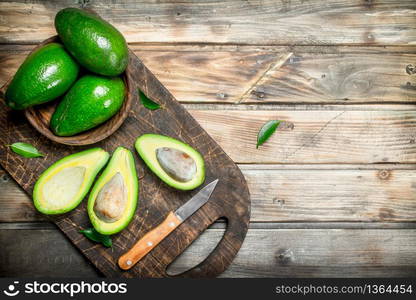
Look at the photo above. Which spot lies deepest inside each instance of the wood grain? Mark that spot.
(149, 241)
(335, 193)
(214, 52)
(39, 116)
(156, 198)
(318, 136)
(245, 74)
(314, 195)
(317, 253)
(253, 22)
(332, 136)
(15, 204)
(281, 253)
(42, 253)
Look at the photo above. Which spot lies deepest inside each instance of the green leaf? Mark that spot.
(266, 131)
(25, 150)
(95, 236)
(149, 104)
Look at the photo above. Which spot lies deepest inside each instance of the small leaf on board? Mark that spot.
(266, 131)
(149, 104)
(95, 236)
(25, 150)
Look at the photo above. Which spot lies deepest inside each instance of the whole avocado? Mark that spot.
(91, 101)
(95, 43)
(46, 74)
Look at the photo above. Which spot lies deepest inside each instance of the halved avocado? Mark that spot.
(113, 199)
(176, 163)
(64, 184)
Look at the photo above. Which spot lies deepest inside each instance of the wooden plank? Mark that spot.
(381, 193)
(317, 137)
(41, 253)
(300, 107)
(281, 253)
(254, 22)
(221, 224)
(316, 253)
(245, 74)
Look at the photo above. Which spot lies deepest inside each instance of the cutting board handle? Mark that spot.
(223, 252)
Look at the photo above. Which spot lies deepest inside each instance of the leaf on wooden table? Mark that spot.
(25, 150)
(266, 131)
(149, 104)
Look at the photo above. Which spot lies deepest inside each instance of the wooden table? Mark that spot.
(335, 196)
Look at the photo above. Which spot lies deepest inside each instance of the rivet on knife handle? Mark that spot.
(149, 241)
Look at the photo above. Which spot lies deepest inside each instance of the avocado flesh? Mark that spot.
(64, 184)
(95, 43)
(91, 101)
(45, 75)
(149, 147)
(113, 199)
(57, 195)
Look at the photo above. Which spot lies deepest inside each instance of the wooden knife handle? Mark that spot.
(149, 241)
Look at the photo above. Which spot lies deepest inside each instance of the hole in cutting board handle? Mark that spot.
(198, 251)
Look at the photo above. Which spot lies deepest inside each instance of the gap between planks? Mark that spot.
(231, 45)
(248, 45)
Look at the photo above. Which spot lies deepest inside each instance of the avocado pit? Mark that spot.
(111, 200)
(62, 187)
(178, 164)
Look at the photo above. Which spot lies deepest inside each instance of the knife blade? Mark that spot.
(160, 232)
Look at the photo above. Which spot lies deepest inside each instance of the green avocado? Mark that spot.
(46, 74)
(174, 162)
(91, 101)
(95, 43)
(113, 199)
(64, 184)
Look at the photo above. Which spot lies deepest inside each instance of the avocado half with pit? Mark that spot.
(95, 43)
(113, 199)
(64, 184)
(46, 74)
(174, 162)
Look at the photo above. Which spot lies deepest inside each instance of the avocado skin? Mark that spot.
(91, 101)
(45, 75)
(95, 43)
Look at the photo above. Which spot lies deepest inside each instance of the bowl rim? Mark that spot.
(93, 135)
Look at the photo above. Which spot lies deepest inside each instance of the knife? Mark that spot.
(159, 233)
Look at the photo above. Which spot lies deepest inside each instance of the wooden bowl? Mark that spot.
(40, 115)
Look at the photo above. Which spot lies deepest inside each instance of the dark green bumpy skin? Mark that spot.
(95, 43)
(45, 75)
(91, 101)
